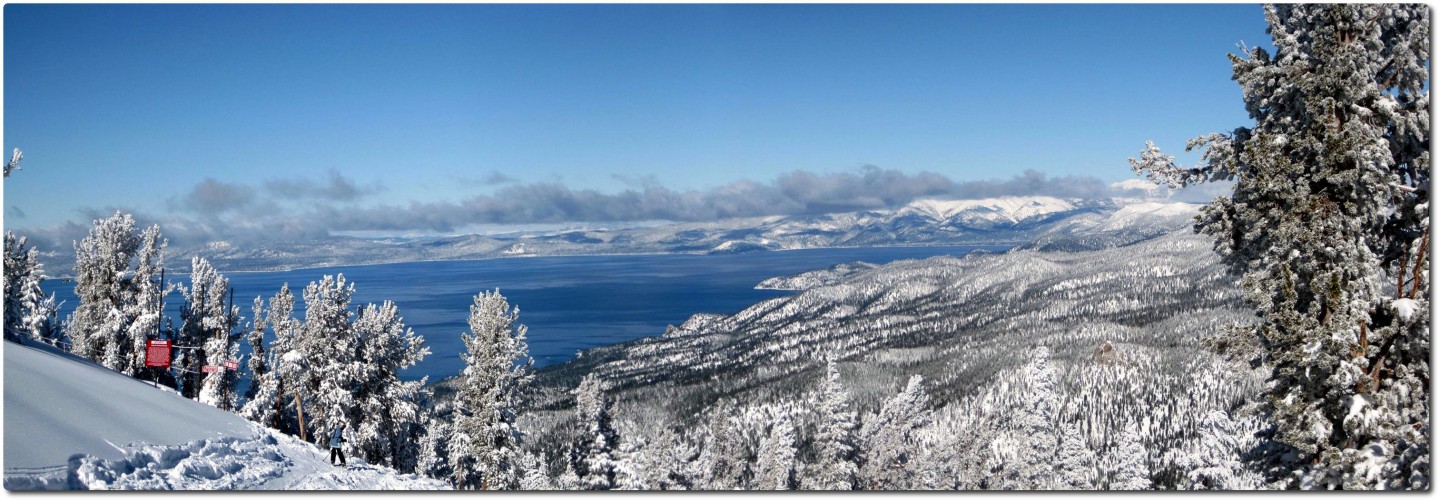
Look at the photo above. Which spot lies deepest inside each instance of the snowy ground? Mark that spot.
(70, 424)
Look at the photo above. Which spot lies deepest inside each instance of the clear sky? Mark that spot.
(221, 113)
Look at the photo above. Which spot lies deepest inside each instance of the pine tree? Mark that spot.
(14, 163)
(535, 478)
(209, 322)
(1076, 462)
(434, 456)
(1213, 461)
(775, 462)
(1131, 471)
(835, 439)
(672, 461)
(114, 303)
(1034, 468)
(722, 463)
(389, 409)
(267, 404)
(635, 470)
(592, 453)
(259, 363)
(889, 442)
(327, 348)
(485, 446)
(1328, 226)
(146, 306)
(28, 311)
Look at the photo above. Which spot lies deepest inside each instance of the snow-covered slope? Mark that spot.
(1151, 214)
(70, 424)
(1012, 210)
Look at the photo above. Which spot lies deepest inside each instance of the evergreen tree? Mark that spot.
(208, 322)
(1034, 466)
(1076, 462)
(389, 409)
(14, 163)
(1213, 461)
(722, 464)
(268, 405)
(29, 312)
(326, 348)
(672, 461)
(485, 446)
(259, 363)
(835, 439)
(635, 470)
(889, 441)
(146, 305)
(534, 478)
(113, 305)
(775, 461)
(1328, 225)
(434, 456)
(592, 454)
(1131, 471)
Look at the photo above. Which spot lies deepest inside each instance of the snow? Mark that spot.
(1011, 209)
(1133, 214)
(71, 424)
(1405, 308)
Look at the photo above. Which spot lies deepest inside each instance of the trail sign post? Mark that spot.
(157, 353)
(211, 368)
(232, 364)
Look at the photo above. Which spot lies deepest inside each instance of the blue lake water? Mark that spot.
(569, 303)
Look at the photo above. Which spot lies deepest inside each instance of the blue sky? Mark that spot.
(218, 114)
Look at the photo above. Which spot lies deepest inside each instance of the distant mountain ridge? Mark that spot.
(1066, 223)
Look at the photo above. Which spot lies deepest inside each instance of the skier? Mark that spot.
(337, 437)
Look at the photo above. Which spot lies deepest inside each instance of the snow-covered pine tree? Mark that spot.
(259, 362)
(1328, 224)
(775, 461)
(1034, 466)
(101, 326)
(145, 308)
(267, 405)
(634, 467)
(29, 313)
(592, 453)
(672, 461)
(834, 467)
(327, 347)
(534, 478)
(1132, 472)
(486, 442)
(434, 457)
(14, 163)
(722, 464)
(1213, 461)
(1076, 462)
(888, 438)
(210, 322)
(389, 409)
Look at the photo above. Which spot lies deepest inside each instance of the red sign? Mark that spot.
(157, 353)
(232, 364)
(211, 368)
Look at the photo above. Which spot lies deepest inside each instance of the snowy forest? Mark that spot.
(1279, 340)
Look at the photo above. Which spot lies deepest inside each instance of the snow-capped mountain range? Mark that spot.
(1071, 223)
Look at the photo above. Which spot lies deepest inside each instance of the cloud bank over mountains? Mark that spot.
(305, 209)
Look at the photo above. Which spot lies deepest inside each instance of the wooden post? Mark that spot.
(300, 413)
(279, 402)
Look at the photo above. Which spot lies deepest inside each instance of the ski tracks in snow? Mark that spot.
(265, 461)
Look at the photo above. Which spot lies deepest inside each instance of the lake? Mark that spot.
(569, 303)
